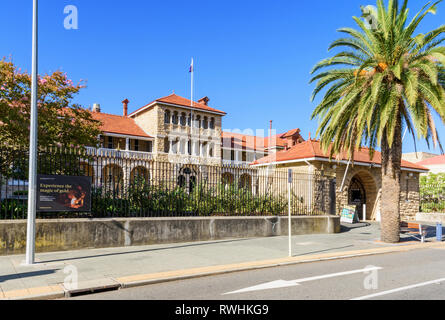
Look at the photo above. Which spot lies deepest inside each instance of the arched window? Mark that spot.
(167, 116)
(183, 120)
(205, 123)
(212, 123)
(166, 145)
(175, 117)
(189, 120)
(198, 121)
(87, 170)
(182, 181)
(227, 178)
(245, 182)
(113, 176)
(139, 175)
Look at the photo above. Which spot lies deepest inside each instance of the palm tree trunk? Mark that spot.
(391, 173)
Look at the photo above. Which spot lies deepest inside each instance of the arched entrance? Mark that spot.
(363, 191)
(357, 195)
(187, 178)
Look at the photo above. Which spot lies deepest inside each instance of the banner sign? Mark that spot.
(348, 214)
(63, 194)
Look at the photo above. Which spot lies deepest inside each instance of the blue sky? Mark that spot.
(252, 57)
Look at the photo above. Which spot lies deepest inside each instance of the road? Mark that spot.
(413, 275)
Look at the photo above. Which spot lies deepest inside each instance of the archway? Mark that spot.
(363, 191)
(113, 176)
(227, 178)
(245, 182)
(139, 175)
(88, 170)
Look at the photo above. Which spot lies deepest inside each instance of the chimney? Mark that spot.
(204, 100)
(96, 107)
(125, 103)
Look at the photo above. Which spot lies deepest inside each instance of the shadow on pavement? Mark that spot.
(27, 275)
(346, 227)
(141, 251)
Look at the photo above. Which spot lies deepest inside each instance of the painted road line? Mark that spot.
(285, 284)
(383, 293)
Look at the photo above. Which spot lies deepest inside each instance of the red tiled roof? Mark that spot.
(433, 161)
(180, 101)
(240, 141)
(312, 149)
(259, 143)
(119, 125)
(290, 133)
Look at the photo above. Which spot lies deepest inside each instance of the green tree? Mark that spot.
(61, 122)
(389, 78)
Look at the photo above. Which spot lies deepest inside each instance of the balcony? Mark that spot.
(235, 163)
(114, 153)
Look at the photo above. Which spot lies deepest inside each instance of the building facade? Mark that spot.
(357, 182)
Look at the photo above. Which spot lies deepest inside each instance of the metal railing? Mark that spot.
(124, 185)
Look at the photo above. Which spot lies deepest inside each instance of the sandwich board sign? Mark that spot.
(349, 214)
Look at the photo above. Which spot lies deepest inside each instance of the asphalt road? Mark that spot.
(413, 275)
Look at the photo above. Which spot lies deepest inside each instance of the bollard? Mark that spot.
(439, 231)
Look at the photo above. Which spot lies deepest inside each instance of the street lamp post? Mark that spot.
(32, 185)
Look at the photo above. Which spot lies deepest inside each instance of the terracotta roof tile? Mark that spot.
(180, 101)
(433, 161)
(260, 143)
(119, 125)
(312, 149)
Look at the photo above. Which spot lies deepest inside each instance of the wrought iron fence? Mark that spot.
(132, 186)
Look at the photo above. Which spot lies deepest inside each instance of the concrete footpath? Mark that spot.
(70, 273)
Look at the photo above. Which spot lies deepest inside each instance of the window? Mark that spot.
(110, 143)
(198, 121)
(189, 120)
(166, 145)
(167, 116)
(183, 119)
(136, 145)
(212, 123)
(189, 147)
(205, 123)
(175, 118)
(149, 146)
(182, 181)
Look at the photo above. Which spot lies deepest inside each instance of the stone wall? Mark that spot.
(72, 234)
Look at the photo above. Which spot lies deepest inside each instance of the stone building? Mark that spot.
(435, 164)
(357, 182)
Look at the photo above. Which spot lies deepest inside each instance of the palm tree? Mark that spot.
(389, 79)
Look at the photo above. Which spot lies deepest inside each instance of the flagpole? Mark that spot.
(32, 181)
(192, 70)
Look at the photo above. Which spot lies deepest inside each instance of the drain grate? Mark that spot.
(88, 291)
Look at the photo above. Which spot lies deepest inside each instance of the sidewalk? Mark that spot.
(130, 266)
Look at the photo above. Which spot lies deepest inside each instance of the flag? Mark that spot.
(191, 67)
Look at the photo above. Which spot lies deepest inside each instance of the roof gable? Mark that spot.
(178, 101)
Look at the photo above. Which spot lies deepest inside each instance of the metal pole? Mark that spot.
(32, 184)
(290, 214)
(192, 121)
